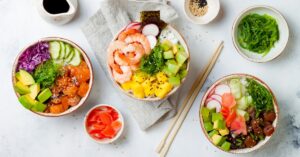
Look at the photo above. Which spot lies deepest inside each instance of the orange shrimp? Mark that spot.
(112, 48)
(121, 59)
(122, 36)
(139, 38)
(124, 76)
(134, 53)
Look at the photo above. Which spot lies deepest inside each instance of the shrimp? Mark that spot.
(124, 76)
(134, 52)
(139, 38)
(122, 36)
(112, 48)
(121, 59)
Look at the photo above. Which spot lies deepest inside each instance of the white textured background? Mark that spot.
(25, 134)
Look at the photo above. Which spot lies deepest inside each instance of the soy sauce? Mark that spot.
(56, 6)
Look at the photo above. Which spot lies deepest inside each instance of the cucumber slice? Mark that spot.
(54, 49)
(70, 56)
(62, 50)
(68, 50)
(76, 59)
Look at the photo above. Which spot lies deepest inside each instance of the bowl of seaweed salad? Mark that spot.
(260, 33)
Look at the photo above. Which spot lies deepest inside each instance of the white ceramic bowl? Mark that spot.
(276, 108)
(279, 45)
(105, 141)
(58, 19)
(84, 57)
(182, 42)
(212, 12)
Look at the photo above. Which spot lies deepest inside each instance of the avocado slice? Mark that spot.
(183, 73)
(205, 112)
(216, 116)
(181, 57)
(25, 77)
(62, 50)
(219, 124)
(178, 48)
(224, 131)
(208, 126)
(172, 66)
(166, 45)
(174, 80)
(34, 90)
(39, 107)
(226, 146)
(168, 54)
(212, 133)
(21, 88)
(27, 101)
(44, 95)
(217, 139)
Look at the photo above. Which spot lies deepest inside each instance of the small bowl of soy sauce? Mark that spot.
(57, 11)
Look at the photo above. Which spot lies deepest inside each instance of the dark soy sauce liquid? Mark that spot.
(56, 6)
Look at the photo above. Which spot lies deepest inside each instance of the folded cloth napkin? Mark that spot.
(100, 29)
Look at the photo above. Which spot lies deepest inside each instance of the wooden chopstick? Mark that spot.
(187, 104)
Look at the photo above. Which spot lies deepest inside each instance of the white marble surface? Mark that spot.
(25, 134)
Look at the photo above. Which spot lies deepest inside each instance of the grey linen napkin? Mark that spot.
(99, 30)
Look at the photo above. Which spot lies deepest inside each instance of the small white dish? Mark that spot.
(212, 12)
(279, 45)
(60, 18)
(106, 140)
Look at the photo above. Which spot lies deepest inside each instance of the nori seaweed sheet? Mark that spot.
(148, 17)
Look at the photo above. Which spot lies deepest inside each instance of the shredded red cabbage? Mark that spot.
(33, 56)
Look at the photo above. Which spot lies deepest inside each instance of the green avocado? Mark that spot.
(172, 66)
(27, 101)
(178, 48)
(168, 54)
(34, 90)
(39, 107)
(208, 126)
(217, 139)
(174, 80)
(25, 77)
(216, 116)
(226, 146)
(219, 124)
(181, 57)
(44, 95)
(224, 131)
(212, 133)
(205, 112)
(166, 45)
(21, 88)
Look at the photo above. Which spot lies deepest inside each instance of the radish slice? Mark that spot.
(152, 40)
(134, 25)
(217, 97)
(214, 104)
(221, 89)
(150, 29)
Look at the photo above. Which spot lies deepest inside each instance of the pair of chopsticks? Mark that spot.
(166, 142)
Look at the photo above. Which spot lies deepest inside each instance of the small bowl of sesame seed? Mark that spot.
(201, 11)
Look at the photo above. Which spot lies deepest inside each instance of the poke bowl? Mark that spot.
(239, 113)
(52, 77)
(104, 123)
(148, 60)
